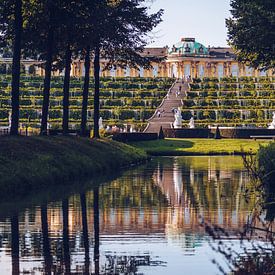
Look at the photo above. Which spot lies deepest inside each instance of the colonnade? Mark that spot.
(169, 68)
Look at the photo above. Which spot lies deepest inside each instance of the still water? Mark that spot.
(146, 221)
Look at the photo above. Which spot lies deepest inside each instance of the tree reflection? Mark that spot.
(66, 244)
(85, 233)
(96, 230)
(164, 199)
(46, 241)
(15, 244)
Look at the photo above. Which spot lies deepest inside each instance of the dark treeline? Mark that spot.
(58, 31)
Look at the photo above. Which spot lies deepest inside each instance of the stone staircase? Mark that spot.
(170, 102)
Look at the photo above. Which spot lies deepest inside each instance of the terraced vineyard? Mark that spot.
(230, 101)
(123, 100)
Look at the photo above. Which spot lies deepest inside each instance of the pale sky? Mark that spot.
(200, 19)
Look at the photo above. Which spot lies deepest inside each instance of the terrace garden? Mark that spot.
(231, 101)
(122, 100)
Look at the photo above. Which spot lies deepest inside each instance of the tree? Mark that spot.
(41, 41)
(120, 35)
(85, 94)
(11, 25)
(69, 37)
(251, 32)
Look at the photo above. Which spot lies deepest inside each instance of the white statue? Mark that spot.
(9, 120)
(100, 123)
(178, 119)
(272, 124)
(132, 130)
(192, 123)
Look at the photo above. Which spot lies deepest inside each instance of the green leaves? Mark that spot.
(251, 32)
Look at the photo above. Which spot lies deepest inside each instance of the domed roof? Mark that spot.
(189, 46)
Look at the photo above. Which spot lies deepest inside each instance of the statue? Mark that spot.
(100, 123)
(178, 119)
(9, 120)
(109, 129)
(192, 123)
(272, 124)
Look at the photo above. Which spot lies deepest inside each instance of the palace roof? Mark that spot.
(189, 46)
(160, 52)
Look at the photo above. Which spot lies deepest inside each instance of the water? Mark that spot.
(147, 221)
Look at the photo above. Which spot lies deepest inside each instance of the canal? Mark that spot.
(148, 220)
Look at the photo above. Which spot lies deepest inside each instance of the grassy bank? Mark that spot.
(186, 147)
(34, 163)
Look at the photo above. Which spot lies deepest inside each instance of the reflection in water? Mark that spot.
(46, 241)
(146, 222)
(15, 244)
(96, 230)
(66, 246)
(85, 233)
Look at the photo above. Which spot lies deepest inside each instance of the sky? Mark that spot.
(200, 19)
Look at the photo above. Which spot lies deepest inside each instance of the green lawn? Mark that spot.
(183, 147)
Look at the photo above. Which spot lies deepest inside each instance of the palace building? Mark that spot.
(186, 58)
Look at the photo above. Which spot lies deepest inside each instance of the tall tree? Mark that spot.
(85, 94)
(11, 25)
(69, 37)
(42, 43)
(66, 89)
(18, 25)
(87, 24)
(48, 68)
(120, 35)
(251, 32)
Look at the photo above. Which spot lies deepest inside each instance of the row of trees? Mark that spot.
(58, 31)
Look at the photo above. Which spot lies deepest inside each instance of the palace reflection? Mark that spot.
(161, 201)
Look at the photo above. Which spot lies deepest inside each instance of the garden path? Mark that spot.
(164, 115)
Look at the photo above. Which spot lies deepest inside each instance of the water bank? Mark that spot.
(200, 147)
(31, 163)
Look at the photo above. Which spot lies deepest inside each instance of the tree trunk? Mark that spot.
(96, 94)
(66, 90)
(47, 83)
(85, 92)
(18, 25)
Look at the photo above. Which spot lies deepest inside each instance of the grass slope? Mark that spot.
(185, 147)
(36, 162)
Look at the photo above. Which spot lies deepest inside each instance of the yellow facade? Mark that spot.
(188, 58)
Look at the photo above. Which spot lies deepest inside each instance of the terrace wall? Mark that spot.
(234, 133)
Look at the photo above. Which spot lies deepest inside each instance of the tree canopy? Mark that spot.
(251, 32)
(59, 31)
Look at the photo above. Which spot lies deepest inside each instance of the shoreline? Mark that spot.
(190, 154)
(200, 147)
(28, 164)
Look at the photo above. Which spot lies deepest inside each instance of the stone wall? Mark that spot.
(242, 133)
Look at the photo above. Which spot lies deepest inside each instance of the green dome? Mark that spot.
(188, 46)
